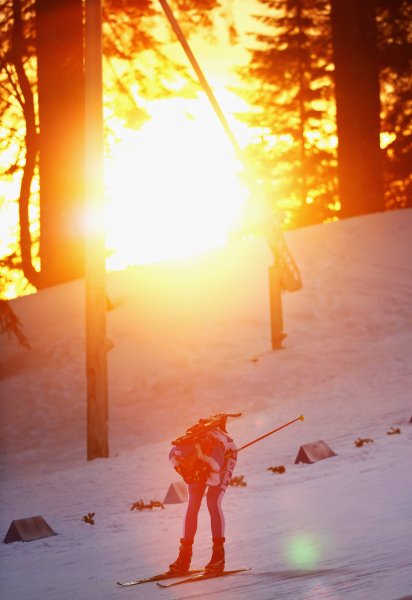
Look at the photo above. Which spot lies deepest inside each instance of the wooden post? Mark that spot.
(96, 344)
(276, 316)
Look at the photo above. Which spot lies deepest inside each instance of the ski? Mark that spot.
(160, 577)
(201, 577)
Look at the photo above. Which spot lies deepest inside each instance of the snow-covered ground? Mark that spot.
(193, 339)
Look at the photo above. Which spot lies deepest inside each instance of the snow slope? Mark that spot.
(191, 339)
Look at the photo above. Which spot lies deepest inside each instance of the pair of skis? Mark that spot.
(189, 577)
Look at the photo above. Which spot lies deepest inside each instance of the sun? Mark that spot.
(172, 188)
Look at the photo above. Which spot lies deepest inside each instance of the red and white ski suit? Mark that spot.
(221, 459)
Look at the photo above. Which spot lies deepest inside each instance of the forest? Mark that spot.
(327, 86)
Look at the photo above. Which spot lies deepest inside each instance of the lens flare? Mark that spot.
(302, 551)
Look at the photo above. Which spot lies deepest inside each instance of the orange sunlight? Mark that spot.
(172, 188)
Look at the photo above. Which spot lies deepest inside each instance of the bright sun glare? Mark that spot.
(172, 188)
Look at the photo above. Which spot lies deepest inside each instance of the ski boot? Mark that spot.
(217, 563)
(182, 564)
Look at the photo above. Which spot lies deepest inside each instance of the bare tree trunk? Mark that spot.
(27, 102)
(357, 106)
(59, 39)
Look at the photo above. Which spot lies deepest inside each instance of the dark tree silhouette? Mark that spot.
(289, 86)
(18, 96)
(357, 106)
(367, 45)
(59, 50)
(394, 18)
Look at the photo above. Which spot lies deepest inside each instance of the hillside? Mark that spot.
(191, 339)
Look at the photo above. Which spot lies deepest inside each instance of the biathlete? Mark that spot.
(205, 457)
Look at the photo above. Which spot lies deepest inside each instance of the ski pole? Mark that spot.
(301, 418)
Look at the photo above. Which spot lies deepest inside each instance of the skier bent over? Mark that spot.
(205, 457)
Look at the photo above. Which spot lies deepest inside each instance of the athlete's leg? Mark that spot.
(196, 491)
(214, 501)
(217, 521)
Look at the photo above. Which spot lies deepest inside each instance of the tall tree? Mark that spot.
(59, 45)
(18, 98)
(357, 106)
(288, 84)
(394, 18)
